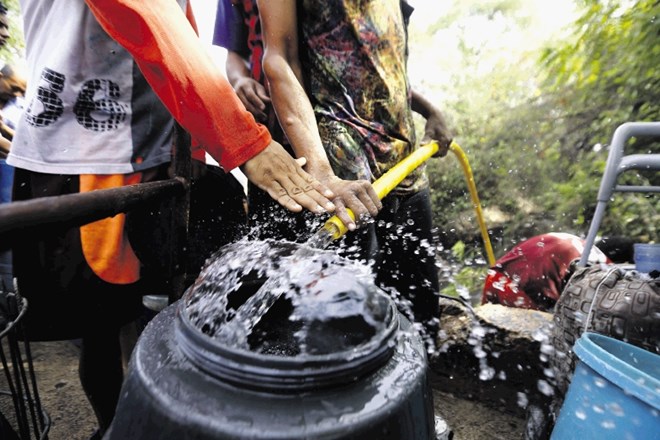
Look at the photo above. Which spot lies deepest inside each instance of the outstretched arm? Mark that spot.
(295, 113)
(436, 126)
(192, 87)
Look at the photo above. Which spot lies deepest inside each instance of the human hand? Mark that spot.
(357, 195)
(282, 177)
(254, 97)
(436, 129)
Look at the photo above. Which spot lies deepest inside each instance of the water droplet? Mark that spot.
(486, 373)
(615, 409)
(581, 414)
(608, 424)
(545, 388)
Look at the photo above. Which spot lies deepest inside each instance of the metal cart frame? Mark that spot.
(617, 163)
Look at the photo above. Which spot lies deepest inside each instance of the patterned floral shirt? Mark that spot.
(354, 55)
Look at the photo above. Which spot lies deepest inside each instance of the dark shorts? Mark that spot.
(67, 300)
(401, 246)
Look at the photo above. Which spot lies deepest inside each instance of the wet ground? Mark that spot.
(56, 365)
(471, 421)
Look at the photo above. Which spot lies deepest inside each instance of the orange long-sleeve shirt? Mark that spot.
(168, 52)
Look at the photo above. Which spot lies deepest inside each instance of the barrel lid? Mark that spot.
(322, 322)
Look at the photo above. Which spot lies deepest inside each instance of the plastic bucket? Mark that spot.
(614, 393)
(647, 257)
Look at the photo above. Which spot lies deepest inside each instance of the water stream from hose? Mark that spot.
(236, 331)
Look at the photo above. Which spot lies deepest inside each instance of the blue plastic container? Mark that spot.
(614, 393)
(647, 257)
(6, 179)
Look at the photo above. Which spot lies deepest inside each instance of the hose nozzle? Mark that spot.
(386, 183)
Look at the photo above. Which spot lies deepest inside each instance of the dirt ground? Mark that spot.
(56, 366)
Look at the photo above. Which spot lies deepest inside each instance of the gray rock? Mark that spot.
(495, 354)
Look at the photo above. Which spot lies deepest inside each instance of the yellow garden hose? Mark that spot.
(462, 158)
(388, 181)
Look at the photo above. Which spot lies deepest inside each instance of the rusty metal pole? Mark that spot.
(19, 220)
(181, 213)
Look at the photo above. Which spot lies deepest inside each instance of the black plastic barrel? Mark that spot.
(184, 384)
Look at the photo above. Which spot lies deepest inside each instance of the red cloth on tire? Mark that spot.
(533, 274)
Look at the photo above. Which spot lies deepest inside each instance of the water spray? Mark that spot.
(251, 311)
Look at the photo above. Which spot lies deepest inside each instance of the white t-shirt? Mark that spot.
(88, 108)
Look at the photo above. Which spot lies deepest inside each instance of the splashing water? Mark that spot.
(327, 294)
(476, 339)
(249, 314)
(320, 240)
(210, 299)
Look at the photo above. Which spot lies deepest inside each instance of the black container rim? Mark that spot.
(270, 372)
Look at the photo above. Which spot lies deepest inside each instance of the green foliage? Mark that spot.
(605, 76)
(458, 250)
(15, 46)
(467, 284)
(535, 118)
(469, 279)
(608, 70)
